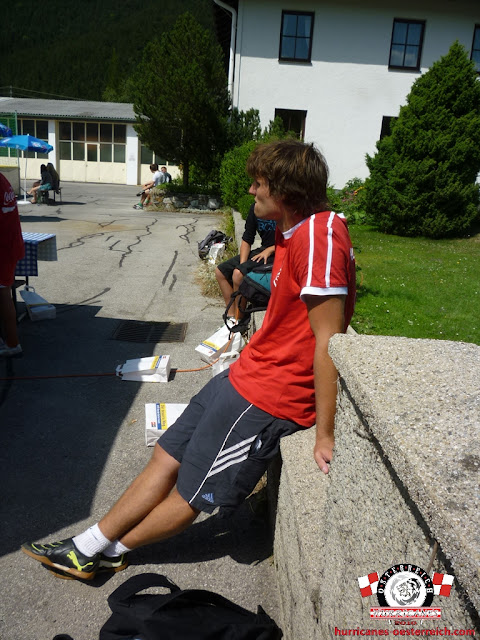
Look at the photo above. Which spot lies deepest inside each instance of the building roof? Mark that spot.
(69, 109)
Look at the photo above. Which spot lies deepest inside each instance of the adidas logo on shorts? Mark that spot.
(208, 497)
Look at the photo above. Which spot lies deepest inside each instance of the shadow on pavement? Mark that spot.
(56, 433)
(41, 218)
(243, 534)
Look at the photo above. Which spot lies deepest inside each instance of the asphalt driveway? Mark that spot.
(72, 433)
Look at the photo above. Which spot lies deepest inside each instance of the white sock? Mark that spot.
(91, 541)
(116, 549)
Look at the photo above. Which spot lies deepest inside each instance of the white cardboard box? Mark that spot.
(211, 348)
(224, 362)
(158, 417)
(37, 307)
(151, 369)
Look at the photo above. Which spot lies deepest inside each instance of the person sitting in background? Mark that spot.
(55, 177)
(156, 180)
(11, 251)
(230, 273)
(165, 177)
(44, 185)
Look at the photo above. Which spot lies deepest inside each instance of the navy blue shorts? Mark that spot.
(224, 445)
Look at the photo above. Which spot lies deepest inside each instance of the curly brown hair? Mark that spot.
(296, 173)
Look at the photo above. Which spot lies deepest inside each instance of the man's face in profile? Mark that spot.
(266, 206)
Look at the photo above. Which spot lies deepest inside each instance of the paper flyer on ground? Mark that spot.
(158, 417)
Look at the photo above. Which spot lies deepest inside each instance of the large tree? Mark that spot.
(423, 177)
(180, 96)
(73, 61)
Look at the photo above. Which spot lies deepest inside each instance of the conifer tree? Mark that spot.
(423, 177)
(180, 96)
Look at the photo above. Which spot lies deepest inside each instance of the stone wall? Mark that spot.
(404, 476)
(164, 200)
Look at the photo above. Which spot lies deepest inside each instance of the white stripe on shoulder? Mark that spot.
(328, 265)
(319, 291)
(311, 237)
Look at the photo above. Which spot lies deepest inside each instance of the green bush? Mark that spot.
(176, 186)
(350, 201)
(244, 203)
(423, 177)
(234, 181)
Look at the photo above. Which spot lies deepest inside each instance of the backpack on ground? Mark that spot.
(211, 238)
(192, 614)
(253, 294)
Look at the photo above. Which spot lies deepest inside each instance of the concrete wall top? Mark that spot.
(421, 401)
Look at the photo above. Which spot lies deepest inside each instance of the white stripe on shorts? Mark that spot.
(222, 452)
(223, 461)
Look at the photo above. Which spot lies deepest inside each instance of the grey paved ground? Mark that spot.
(70, 445)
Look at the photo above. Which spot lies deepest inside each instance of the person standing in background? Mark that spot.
(11, 251)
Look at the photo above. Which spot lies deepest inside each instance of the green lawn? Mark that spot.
(416, 287)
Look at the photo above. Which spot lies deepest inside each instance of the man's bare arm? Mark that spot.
(244, 251)
(325, 314)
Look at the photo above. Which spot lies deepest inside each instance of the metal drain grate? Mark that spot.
(136, 331)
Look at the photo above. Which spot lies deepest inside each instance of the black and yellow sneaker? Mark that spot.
(114, 564)
(64, 556)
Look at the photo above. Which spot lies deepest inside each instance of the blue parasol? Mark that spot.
(4, 130)
(26, 143)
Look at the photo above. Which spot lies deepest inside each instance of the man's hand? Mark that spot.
(326, 318)
(323, 452)
(264, 255)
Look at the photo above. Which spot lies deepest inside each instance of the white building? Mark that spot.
(92, 141)
(337, 70)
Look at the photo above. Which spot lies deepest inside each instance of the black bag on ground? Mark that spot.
(181, 615)
(211, 238)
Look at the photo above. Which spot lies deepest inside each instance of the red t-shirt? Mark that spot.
(275, 370)
(11, 241)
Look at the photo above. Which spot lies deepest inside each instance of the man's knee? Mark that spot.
(219, 275)
(164, 461)
(237, 277)
(183, 504)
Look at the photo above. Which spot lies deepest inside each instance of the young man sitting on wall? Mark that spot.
(283, 382)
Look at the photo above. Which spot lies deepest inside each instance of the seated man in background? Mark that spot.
(230, 273)
(157, 178)
(164, 178)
